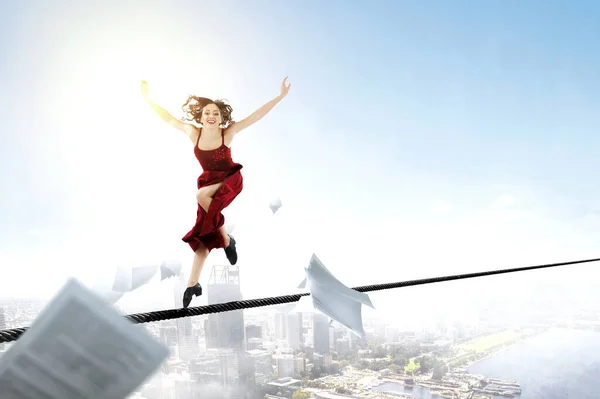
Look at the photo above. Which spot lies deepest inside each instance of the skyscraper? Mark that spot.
(293, 330)
(253, 331)
(300, 328)
(187, 341)
(225, 329)
(321, 333)
(225, 333)
(280, 326)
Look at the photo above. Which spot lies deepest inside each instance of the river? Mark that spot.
(558, 364)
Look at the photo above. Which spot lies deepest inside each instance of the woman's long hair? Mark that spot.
(194, 105)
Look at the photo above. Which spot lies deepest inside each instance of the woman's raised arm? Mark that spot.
(187, 128)
(259, 113)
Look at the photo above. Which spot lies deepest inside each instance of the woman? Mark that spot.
(221, 180)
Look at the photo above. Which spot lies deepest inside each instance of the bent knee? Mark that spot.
(202, 194)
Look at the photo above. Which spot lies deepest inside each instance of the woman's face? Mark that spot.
(211, 116)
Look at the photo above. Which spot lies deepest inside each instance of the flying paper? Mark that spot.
(275, 205)
(169, 269)
(329, 296)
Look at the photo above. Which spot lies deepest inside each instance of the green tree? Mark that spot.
(360, 364)
(378, 365)
(316, 372)
(343, 390)
(400, 360)
(301, 395)
(439, 371)
(425, 364)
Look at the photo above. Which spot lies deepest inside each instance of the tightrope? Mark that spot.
(159, 315)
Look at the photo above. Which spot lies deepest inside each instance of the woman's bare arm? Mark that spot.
(187, 128)
(259, 113)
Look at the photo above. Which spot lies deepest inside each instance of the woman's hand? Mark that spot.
(259, 113)
(145, 89)
(284, 88)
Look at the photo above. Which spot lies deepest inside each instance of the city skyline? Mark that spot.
(270, 364)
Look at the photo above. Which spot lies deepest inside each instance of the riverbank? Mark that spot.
(459, 383)
(555, 365)
(506, 373)
(481, 348)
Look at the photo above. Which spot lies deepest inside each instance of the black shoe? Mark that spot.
(231, 252)
(189, 294)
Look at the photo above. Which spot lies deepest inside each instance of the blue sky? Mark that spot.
(443, 129)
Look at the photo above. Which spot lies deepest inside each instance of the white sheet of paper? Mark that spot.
(142, 275)
(275, 205)
(339, 308)
(122, 281)
(329, 296)
(79, 347)
(169, 269)
(128, 279)
(317, 272)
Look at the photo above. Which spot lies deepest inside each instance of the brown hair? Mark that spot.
(194, 105)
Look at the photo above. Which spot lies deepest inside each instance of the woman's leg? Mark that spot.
(205, 196)
(199, 258)
(225, 235)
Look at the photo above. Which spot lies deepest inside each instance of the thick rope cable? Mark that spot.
(160, 315)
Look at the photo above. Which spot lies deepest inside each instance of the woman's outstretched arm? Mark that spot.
(259, 113)
(165, 115)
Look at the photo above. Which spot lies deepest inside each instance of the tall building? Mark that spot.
(254, 343)
(300, 328)
(168, 335)
(253, 331)
(230, 366)
(321, 333)
(293, 330)
(299, 364)
(338, 333)
(285, 365)
(216, 366)
(263, 365)
(187, 341)
(280, 326)
(225, 332)
(225, 329)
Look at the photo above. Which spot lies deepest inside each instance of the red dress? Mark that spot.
(217, 167)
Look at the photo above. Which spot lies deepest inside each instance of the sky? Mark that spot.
(419, 138)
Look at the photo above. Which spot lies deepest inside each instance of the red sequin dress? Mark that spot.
(217, 167)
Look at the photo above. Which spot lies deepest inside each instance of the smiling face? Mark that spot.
(211, 116)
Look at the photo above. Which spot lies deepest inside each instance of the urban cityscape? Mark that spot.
(277, 353)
